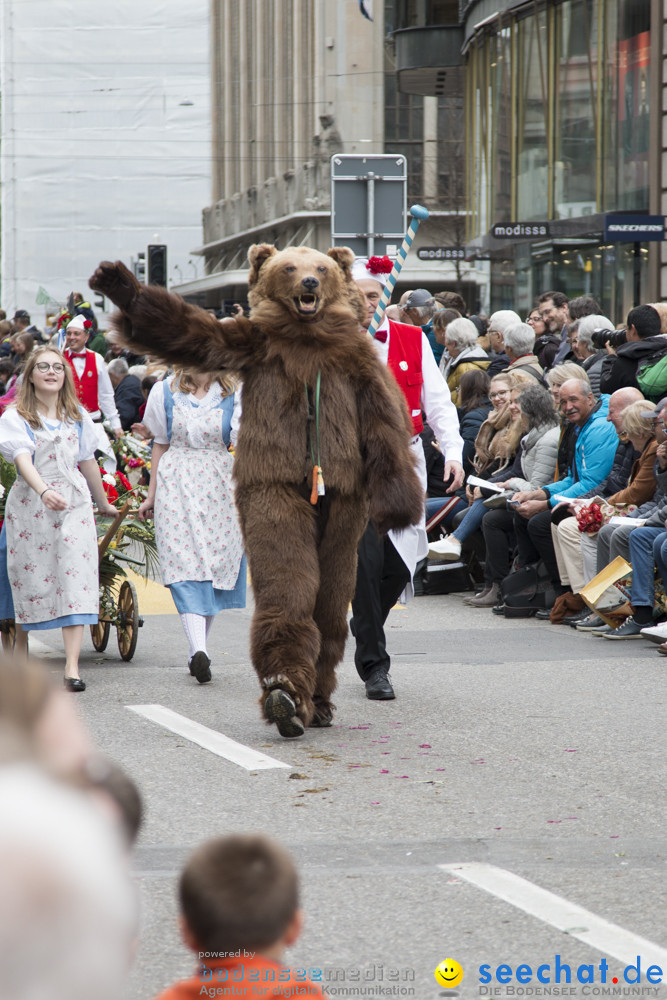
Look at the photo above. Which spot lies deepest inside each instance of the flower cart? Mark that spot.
(121, 543)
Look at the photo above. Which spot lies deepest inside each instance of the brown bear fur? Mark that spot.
(305, 318)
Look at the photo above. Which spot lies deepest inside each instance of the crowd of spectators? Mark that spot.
(563, 416)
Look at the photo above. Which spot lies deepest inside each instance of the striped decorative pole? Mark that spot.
(418, 212)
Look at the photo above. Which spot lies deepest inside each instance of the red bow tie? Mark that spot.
(81, 355)
(381, 335)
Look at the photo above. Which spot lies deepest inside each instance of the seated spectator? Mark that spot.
(451, 300)
(519, 341)
(644, 342)
(481, 323)
(586, 352)
(127, 392)
(639, 488)
(239, 900)
(532, 467)
(463, 354)
(6, 331)
(474, 408)
(441, 321)
(418, 308)
(495, 448)
(613, 540)
(594, 451)
(6, 373)
(546, 343)
(500, 321)
(661, 309)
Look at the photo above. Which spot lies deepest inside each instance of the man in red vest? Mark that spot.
(386, 563)
(91, 378)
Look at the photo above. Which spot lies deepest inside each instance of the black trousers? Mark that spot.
(534, 540)
(381, 577)
(500, 540)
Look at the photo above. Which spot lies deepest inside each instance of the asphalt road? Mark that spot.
(517, 746)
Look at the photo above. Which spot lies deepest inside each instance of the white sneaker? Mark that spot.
(656, 633)
(447, 548)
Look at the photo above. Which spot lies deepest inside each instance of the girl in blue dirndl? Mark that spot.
(191, 497)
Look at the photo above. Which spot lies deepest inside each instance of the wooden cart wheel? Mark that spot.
(128, 620)
(100, 635)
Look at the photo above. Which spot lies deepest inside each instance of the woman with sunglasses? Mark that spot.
(50, 529)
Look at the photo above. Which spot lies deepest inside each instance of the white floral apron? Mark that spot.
(196, 524)
(52, 557)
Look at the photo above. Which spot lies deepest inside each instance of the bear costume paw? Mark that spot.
(280, 706)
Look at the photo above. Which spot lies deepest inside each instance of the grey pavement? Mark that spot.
(523, 745)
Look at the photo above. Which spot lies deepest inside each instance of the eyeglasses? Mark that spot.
(44, 367)
(497, 395)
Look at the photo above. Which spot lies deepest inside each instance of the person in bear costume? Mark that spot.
(314, 395)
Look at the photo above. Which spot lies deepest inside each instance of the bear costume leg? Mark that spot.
(338, 560)
(302, 563)
(280, 537)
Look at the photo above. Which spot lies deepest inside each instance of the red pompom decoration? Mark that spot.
(379, 265)
(87, 325)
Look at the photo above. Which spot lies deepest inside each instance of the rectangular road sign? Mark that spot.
(368, 203)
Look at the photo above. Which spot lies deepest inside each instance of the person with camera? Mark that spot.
(644, 343)
(593, 334)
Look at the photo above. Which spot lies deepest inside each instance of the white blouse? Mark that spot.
(16, 435)
(155, 417)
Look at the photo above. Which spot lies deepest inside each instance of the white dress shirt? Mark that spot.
(442, 417)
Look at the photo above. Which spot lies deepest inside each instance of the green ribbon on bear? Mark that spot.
(318, 479)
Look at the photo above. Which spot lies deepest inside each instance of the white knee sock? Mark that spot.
(209, 622)
(194, 627)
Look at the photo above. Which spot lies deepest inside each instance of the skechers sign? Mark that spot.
(633, 228)
(519, 230)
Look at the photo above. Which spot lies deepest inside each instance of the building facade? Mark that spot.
(565, 114)
(295, 82)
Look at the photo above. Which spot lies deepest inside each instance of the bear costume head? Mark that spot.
(302, 290)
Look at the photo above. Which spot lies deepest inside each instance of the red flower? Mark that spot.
(589, 519)
(123, 481)
(379, 265)
(111, 492)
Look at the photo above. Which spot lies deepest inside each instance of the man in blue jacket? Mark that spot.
(594, 450)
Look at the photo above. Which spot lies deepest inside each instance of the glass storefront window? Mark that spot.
(533, 113)
(632, 141)
(575, 176)
(501, 123)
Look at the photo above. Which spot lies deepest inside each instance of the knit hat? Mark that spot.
(378, 268)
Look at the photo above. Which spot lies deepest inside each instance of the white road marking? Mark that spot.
(209, 739)
(568, 917)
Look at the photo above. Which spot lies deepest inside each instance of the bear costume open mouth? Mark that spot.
(307, 304)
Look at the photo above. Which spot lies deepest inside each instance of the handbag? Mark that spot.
(526, 591)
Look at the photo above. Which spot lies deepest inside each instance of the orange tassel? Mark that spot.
(313, 492)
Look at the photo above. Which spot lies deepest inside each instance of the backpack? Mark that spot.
(526, 590)
(652, 377)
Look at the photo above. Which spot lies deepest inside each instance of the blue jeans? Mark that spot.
(472, 520)
(642, 543)
(433, 505)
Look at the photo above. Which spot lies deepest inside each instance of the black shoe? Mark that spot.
(578, 616)
(543, 614)
(379, 687)
(499, 609)
(74, 684)
(280, 708)
(200, 667)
